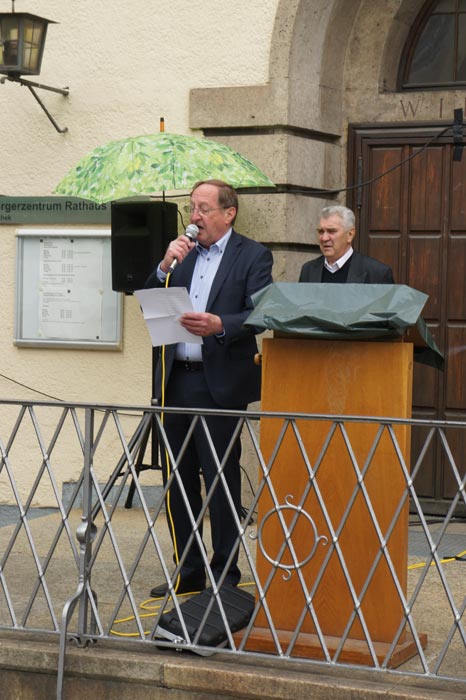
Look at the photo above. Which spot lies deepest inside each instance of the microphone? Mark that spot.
(191, 233)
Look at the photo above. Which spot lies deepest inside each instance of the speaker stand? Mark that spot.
(147, 428)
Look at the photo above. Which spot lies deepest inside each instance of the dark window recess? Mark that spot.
(435, 52)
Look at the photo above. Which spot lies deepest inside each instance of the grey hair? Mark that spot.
(345, 214)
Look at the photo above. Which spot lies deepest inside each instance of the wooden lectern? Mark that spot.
(353, 378)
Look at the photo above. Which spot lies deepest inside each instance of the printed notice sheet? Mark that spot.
(70, 288)
(162, 309)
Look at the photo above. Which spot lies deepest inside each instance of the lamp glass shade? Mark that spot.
(22, 39)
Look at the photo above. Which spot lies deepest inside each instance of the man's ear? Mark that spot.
(230, 214)
(351, 234)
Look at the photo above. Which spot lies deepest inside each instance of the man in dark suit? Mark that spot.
(339, 262)
(221, 270)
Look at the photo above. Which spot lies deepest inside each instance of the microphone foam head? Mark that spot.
(192, 232)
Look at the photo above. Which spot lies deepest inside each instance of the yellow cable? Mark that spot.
(145, 605)
(167, 461)
(421, 564)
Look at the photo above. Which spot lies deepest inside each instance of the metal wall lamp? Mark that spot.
(22, 41)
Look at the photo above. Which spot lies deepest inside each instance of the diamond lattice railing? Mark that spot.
(342, 561)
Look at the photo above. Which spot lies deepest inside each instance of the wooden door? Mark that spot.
(414, 219)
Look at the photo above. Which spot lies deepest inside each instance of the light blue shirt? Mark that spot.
(205, 269)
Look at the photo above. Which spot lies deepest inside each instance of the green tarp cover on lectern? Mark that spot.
(345, 312)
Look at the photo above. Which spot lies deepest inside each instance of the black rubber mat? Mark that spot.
(237, 604)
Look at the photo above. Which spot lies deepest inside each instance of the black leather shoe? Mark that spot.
(188, 584)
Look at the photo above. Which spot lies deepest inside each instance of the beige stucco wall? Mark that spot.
(126, 64)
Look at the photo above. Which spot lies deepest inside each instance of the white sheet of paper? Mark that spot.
(70, 288)
(162, 309)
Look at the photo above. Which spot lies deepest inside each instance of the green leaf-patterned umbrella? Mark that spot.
(144, 165)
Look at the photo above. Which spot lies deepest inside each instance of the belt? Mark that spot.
(189, 366)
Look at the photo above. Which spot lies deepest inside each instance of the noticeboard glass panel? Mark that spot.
(64, 293)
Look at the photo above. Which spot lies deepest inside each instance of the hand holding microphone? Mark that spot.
(191, 234)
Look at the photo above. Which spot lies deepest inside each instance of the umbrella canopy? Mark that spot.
(143, 165)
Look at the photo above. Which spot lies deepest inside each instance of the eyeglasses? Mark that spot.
(204, 211)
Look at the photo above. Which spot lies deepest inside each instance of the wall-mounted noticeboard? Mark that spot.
(64, 295)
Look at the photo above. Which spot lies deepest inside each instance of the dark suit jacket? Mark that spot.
(231, 374)
(363, 269)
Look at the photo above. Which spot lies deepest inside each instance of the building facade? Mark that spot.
(326, 96)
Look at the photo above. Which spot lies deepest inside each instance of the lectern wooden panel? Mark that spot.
(337, 525)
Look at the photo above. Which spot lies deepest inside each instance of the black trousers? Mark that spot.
(189, 389)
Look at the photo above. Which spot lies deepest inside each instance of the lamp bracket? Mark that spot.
(31, 85)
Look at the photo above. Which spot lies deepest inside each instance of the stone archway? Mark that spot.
(291, 126)
(332, 62)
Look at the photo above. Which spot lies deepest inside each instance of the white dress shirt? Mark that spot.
(338, 264)
(205, 269)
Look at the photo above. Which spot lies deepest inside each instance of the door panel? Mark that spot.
(425, 388)
(387, 193)
(425, 268)
(426, 178)
(384, 247)
(413, 218)
(458, 195)
(456, 347)
(456, 294)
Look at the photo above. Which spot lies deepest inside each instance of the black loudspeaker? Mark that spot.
(141, 232)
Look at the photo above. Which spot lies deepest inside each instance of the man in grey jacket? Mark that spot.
(339, 262)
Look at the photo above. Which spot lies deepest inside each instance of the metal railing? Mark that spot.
(340, 563)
